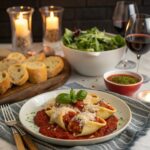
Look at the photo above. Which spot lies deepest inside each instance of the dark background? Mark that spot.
(78, 14)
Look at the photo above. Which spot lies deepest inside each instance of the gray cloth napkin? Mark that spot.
(138, 126)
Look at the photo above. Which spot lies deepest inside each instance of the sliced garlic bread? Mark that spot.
(37, 57)
(18, 74)
(37, 71)
(5, 83)
(54, 65)
(6, 63)
(16, 56)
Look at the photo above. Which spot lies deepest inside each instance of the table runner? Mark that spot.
(138, 126)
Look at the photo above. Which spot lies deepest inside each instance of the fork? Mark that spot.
(10, 120)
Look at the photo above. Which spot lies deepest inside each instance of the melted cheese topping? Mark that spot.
(91, 99)
(84, 117)
(56, 112)
(92, 108)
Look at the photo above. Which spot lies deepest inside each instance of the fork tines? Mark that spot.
(7, 113)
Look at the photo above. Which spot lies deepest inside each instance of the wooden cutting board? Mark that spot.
(28, 90)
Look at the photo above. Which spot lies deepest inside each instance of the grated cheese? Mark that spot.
(92, 108)
(59, 111)
(84, 117)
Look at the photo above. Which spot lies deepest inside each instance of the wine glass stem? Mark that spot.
(125, 54)
(138, 63)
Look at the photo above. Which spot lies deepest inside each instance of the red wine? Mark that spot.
(138, 43)
(120, 26)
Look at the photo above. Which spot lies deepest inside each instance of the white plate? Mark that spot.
(36, 103)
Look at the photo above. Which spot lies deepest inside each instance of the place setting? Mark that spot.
(78, 87)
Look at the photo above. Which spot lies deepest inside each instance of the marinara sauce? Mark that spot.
(53, 130)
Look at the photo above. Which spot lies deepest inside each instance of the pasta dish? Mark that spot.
(76, 115)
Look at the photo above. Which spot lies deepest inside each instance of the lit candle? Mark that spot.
(144, 96)
(21, 25)
(147, 97)
(52, 22)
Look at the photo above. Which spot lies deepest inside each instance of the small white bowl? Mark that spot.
(92, 63)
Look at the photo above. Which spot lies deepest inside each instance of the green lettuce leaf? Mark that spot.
(92, 40)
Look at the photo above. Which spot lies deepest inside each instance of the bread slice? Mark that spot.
(18, 74)
(5, 83)
(37, 71)
(6, 63)
(54, 65)
(16, 56)
(37, 57)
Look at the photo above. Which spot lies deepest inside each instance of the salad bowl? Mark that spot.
(93, 63)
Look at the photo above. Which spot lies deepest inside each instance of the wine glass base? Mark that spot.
(145, 78)
(126, 64)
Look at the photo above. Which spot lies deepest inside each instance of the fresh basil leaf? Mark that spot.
(63, 98)
(73, 96)
(81, 95)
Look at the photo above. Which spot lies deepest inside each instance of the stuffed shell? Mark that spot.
(85, 123)
(57, 115)
(78, 115)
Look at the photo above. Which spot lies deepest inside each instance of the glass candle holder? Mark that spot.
(52, 25)
(20, 18)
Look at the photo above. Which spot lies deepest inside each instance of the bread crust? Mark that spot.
(54, 64)
(6, 63)
(37, 72)
(38, 57)
(16, 56)
(5, 83)
(35, 69)
(19, 71)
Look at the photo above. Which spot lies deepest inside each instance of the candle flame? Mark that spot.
(52, 14)
(147, 97)
(20, 16)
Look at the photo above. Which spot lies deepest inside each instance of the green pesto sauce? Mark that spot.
(123, 79)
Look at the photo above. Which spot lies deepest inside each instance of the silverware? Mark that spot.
(10, 120)
(18, 139)
(45, 144)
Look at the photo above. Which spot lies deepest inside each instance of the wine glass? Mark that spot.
(122, 13)
(137, 36)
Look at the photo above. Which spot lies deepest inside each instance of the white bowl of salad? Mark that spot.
(92, 52)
